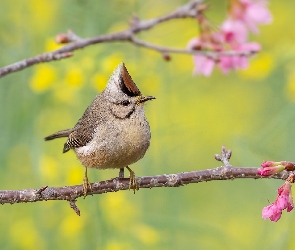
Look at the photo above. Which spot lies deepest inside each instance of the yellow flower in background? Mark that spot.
(42, 13)
(111, 62)
(150, 84)
(146, 234)
(183, 63)
(75, 175)
(48, 168)
(118, 27)
(87, 63)
(72, 224)
(65, 94)
(99, 81)
(259, 67)
(112, 205)
(35, 14)
(25, 235)
(50, 44)
(44, 77)
(74, 77)
(114, 246)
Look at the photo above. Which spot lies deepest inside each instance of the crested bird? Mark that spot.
(113, 132)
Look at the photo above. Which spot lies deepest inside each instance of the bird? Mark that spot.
(113, 132)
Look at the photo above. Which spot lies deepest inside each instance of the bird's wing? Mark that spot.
(84, 130)
(78, 139)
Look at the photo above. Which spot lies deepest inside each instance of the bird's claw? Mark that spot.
(132, 183)
(86, 185)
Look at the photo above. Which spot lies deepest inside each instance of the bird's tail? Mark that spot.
(59, 134)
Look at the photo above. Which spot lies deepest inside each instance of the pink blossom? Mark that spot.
(271, 212)
(203, 64)
(233, 35)
(227, 63)
(234, 31)
(252, 13)
(283, 201)
(252, 47)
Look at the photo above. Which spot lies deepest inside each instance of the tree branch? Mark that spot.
(211, 54)
(189, 10)
(71, 193)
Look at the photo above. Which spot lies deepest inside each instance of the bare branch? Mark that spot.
(71, 193)
(74, 207)
(189, 10)
(46, 57)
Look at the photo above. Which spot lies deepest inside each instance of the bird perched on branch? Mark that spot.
(113, 132)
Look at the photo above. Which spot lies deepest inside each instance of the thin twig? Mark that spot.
(189, 10)
(211, 54)
(74, 207)
(40, 190)
(224, 156)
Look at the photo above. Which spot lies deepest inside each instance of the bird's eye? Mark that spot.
(125, 103)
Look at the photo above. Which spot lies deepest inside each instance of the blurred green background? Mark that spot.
(250, 111)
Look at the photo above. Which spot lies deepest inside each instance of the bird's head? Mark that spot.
(123, 94)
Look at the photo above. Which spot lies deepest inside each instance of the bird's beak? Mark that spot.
(143, 99)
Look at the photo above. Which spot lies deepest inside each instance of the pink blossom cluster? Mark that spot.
(243, 16)
(283, 201)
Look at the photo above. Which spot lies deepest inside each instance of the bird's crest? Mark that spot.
(127, 84)
(121, 82)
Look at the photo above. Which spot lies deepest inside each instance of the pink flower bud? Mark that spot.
(62, 38)
(270, 168)
(267, 171)
(166, 57)
(268, 164)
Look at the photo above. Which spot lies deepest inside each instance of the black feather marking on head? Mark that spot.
(127, 85)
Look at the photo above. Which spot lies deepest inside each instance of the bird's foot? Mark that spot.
(132, 182)
(86, 184)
